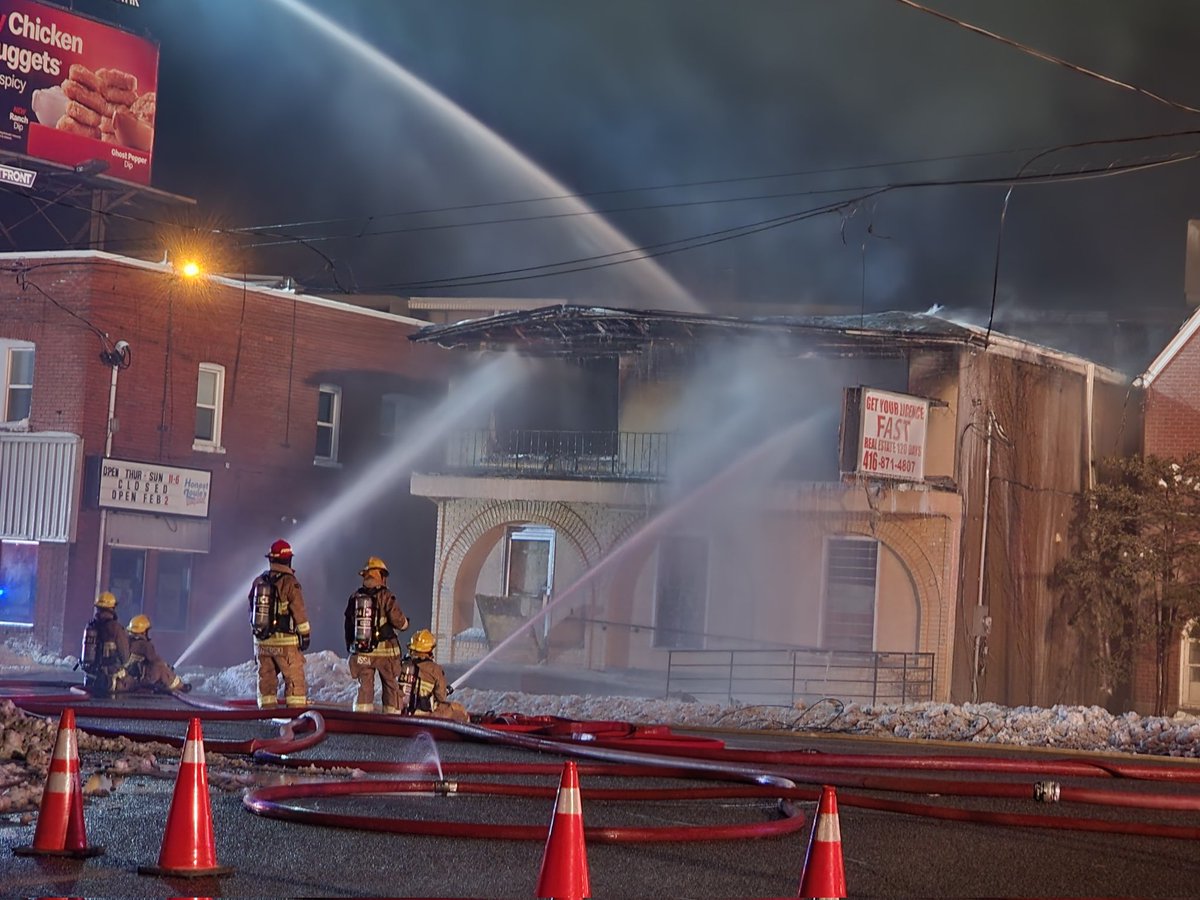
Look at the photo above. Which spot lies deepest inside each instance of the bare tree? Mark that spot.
(1135, 573)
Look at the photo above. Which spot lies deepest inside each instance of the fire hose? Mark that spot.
(778, 775)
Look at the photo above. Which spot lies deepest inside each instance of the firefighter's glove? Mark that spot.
(305, 640)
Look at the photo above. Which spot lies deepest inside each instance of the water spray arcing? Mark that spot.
(663, 288)
(476, 393)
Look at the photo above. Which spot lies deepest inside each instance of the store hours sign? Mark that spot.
(150, 488)
(891, 440)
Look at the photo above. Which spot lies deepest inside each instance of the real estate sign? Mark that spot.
(891, 440)
(146, 487)
(73, 90)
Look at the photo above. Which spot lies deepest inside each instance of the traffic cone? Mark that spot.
(187, 847)
(824, 876)
(60, 829)
(564, 873)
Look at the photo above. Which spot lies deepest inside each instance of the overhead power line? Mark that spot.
(608, 192)
(1049, 57)
(651, 251)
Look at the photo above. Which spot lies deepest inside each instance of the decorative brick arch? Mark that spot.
(466, 550)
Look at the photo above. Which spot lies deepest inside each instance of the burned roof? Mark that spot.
(592, 331)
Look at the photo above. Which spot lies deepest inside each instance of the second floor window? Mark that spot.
(210, 392)
(18, 398)
(329, 412)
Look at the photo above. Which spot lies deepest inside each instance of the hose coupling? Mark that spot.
(445, 788)
(1046, 791)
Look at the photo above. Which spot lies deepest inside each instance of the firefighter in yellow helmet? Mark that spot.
(145, 667)
(424, 681)
(281, 630)
(374, 621)
(105, 647)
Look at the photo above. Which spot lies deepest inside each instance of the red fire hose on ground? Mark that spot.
(624, 750)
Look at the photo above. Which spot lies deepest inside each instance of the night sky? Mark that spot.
(690, 122)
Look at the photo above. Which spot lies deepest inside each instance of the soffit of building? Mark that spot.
(590, 331)
(598, 331)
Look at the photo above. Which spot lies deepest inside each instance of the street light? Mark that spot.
(118, 358)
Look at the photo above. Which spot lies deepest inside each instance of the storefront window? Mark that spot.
(173, 588)
(18, 581)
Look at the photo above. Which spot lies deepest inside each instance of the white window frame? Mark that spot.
(8, 384)
(334, 424)
(211, 445)
(824, 615)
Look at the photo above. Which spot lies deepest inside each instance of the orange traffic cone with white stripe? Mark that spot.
(564, 873)
(60, 829)
(824, 875)
(188, 850)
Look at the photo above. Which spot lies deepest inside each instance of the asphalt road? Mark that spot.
(886, 854)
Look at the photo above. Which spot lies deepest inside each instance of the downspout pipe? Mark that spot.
(983, 535)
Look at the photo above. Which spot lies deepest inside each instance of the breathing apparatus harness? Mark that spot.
(369, 629)
(269, 614)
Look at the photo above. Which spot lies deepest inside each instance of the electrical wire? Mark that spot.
(584, 195)
(649, 251)
(1048, 57)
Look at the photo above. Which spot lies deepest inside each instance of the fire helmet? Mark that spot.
(107, 600)
(139, 624)
(422, 642)
(375, 562)
(280, 550)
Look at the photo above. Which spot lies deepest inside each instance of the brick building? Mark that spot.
(239, 413)
(1171, 386)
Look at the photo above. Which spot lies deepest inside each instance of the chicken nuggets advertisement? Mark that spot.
(74, 90)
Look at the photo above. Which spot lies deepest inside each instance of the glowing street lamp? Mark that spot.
(190, 269)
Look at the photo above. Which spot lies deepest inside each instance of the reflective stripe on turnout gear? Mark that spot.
(281, 639)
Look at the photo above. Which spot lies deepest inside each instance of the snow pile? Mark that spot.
(20, 654)
(327, 674)
(1059, 727)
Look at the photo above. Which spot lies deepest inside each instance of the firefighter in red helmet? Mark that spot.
(281, 630)
(373, 621)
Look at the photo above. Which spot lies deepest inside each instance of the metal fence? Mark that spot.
(624, 455)
(785, 677)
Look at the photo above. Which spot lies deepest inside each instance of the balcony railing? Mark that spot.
(607, 455)
(783, 677)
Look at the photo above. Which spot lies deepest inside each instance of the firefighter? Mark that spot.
(281, 630)
(145, 668)
(424, 681)
(109, 648)
(373, 620)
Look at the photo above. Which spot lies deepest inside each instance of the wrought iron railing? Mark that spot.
(620, 455)
(783, 677)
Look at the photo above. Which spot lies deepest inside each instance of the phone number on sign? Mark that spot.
(879, 462)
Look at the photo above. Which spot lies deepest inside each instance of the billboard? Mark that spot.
(883, 434)
(74, 90)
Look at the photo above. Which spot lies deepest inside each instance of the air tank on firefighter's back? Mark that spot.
(260, 611)
(364, 621)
